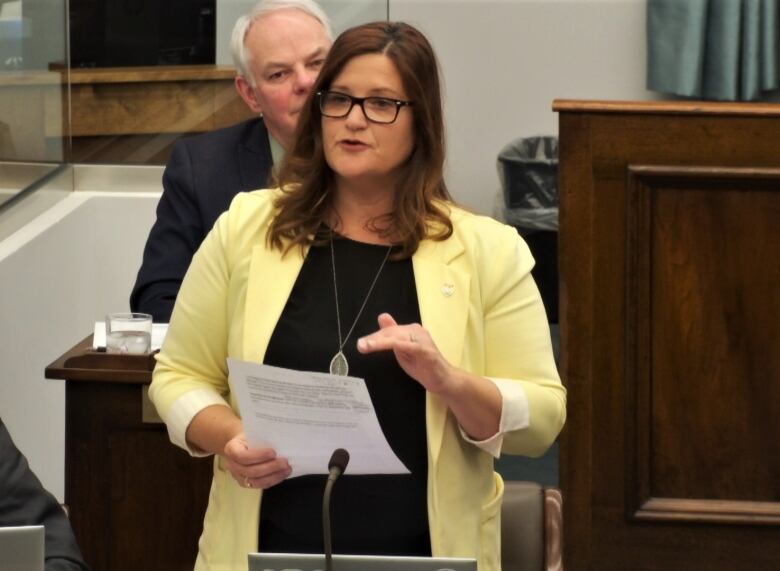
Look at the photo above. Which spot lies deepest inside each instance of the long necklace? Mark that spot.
(338, 364)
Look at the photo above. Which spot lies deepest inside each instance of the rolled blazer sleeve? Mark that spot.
(514, 416)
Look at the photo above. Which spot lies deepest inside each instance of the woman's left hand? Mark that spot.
(415, 351)
(475, 401)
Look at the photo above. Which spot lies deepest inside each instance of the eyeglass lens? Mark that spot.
(377, 109)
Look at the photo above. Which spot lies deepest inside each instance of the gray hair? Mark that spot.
(241, 56)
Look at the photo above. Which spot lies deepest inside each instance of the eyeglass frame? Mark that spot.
(399, 103)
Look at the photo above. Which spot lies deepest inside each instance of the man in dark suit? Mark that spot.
(278, 49)
(24, 501)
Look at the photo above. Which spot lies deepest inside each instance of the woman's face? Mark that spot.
(360, 151)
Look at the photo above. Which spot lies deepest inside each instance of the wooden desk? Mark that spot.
(670, 316)
(135, 500)
(134, 114)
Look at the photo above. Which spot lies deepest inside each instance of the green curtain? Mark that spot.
(713, 49)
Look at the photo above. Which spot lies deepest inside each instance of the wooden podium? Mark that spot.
(135, 500)
(670, 320)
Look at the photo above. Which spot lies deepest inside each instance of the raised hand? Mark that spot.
(414, 350)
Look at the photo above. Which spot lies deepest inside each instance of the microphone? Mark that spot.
(338, 463)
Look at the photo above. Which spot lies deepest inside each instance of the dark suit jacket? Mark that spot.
(24, 501)
(203, 175)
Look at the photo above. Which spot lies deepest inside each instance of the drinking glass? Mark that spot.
(129, 333)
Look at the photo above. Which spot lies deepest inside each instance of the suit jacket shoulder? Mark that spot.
(218, 165)
(204, 174)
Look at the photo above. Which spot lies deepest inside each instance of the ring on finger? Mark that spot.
(247, 483)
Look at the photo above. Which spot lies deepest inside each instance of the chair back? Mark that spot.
(531, 528)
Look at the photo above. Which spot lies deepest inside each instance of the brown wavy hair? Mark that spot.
(420, 207)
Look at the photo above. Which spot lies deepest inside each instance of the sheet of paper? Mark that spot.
(158, 335)
(305, 416)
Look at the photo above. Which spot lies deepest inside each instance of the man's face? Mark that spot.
(287, 49)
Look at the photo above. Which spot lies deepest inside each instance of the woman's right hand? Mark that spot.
(258, 468)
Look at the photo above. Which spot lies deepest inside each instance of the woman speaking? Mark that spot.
(360, 264)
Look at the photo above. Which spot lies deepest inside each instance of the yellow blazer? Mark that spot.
(476, 298)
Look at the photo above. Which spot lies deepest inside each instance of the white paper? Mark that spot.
(158, 335)
(305, 416)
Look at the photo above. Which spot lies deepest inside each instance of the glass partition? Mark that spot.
(52, 114)
(133, 115)
(33, 94)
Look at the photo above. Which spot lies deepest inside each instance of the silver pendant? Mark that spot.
(338, 365)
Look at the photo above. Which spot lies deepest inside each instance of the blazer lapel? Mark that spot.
(271, 279)
(443, 295)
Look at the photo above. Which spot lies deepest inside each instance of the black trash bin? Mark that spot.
(528, 169)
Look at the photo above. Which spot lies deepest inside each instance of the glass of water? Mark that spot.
(128, 333)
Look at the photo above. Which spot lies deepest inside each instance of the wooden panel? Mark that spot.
(133, 115)
(141, 499)
(142, 101)
(651, 383)
(141, 108)
(124, 149)
(146, 74)
(575, 286)
(229, 108)
(719, 109)
(135, 501)
(701, 330)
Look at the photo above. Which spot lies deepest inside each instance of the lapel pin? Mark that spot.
(448, 289)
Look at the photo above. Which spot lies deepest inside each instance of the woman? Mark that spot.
(361, 263)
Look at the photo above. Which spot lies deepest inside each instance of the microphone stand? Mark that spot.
(338, 463)
(326, 522)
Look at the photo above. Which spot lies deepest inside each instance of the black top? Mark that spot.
(203, 175)
(377, 514)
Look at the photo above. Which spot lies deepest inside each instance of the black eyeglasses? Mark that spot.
(336, 105)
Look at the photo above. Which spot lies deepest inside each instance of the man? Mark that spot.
(24, 501)
(278, 49)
